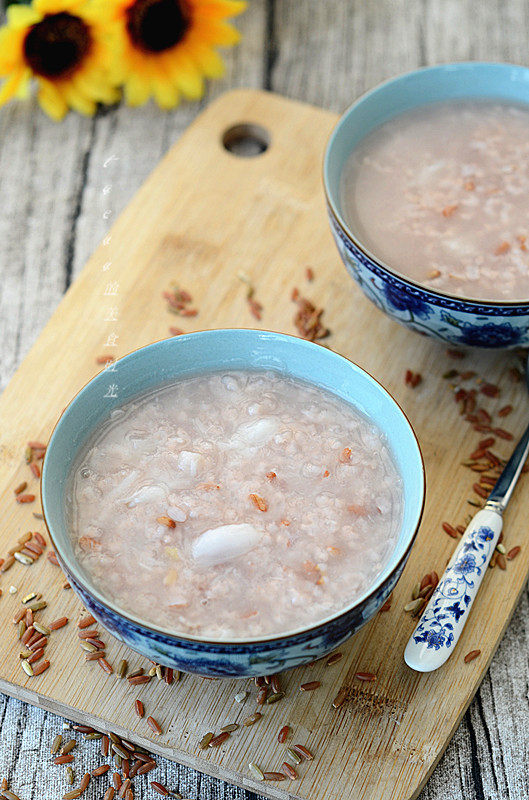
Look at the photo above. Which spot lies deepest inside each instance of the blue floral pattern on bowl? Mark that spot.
(436, 628)
(218, 660)
(454, 321)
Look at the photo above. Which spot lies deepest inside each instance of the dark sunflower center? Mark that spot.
(55, 46)
(157, 25)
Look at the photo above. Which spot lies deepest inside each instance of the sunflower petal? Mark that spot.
(51, 101)
(78, 100)
(56, 6)
(93, 85)
(208, 61)
(10, 55)
(185, 74)
(221, 9)
(22, 16)
(23, 90)
(136, 90)
(11, 86)
(217, 32)
(165, 94)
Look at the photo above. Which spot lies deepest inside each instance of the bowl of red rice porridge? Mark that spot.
(426, 178)
(244, 505)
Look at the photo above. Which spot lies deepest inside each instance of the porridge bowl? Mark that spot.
(241, 504)
(426, 180)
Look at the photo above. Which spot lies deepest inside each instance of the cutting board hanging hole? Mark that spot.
(246, 140)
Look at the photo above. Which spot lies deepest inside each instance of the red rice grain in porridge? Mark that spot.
(440, 195)
(285, 500)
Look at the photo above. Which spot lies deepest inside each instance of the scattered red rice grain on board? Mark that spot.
(86, 621)
(138, 680)
(178, 302)
(308, 319)
(220, 739)
(450, 530)
(412, 379)
(341, 697)
(25, 498)
(501, 561)
(302, 750)
(489, 389)
(58, 623)
(471, 656)
(503, 434)
(283, 734)
(262, 694)
(289, 771)
(365, 676)
(34, 445)
(153, 725)
(255, 308)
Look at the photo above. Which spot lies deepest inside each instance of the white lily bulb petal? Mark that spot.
(217, 545)
(189, 462)
(255, 434)
(146, 494)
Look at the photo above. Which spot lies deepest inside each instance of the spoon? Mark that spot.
(435, 637)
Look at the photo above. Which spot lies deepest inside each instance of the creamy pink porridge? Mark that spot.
(235, 505)
(440, 194)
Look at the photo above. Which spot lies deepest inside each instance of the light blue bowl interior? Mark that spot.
(186, 355)
(430, 85)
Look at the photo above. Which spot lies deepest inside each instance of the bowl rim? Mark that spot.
(452, 66)
(72, 567)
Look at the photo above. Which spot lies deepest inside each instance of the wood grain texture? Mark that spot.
(381, 744)
(51, 182)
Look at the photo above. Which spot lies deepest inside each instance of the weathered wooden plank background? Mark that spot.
(52, 179)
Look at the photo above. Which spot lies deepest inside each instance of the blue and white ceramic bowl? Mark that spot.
(452, 319)
(185, 355)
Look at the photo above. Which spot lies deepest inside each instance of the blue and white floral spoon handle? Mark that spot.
(443, 620)
(435, 637)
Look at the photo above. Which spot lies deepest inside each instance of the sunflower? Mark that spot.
(165, 48)
(63, 45)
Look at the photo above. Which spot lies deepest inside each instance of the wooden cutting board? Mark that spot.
(202, 219)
